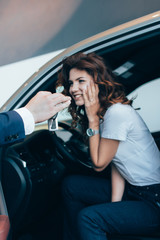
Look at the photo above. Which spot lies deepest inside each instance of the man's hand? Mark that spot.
(45, 104)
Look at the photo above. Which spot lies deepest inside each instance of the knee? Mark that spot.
(89, 223)
(85, 218)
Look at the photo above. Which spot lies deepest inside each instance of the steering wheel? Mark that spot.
(73, 150)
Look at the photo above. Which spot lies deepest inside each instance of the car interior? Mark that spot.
(33, 170)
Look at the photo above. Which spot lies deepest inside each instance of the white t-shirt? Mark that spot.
(137, 157)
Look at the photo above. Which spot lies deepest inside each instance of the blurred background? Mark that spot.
(30, 28)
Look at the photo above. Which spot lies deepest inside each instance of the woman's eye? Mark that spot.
(70, 83)
(81, 81)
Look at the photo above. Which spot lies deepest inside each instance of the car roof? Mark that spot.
(105, 40)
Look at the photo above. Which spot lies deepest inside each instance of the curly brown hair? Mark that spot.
(110, 91)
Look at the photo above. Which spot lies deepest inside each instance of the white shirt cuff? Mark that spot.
(28, 120)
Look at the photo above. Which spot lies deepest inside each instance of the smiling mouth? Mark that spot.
(76, 97)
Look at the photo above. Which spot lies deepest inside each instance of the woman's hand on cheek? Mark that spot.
(91, 102)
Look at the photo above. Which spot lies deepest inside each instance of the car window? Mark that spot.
(64, 115)
(147, 100)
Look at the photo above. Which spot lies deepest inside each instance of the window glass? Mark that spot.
(148, 100)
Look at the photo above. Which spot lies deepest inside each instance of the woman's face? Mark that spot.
(79, 80)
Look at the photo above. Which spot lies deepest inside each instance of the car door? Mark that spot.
(4, 218)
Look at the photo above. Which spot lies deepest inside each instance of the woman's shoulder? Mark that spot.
(120, 108)
(117, 120)
(119, 111)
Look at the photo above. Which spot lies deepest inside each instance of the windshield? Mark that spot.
(12, 76)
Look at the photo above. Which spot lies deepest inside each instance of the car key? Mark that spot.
(53, 123)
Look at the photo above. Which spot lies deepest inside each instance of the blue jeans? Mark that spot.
(90, 215)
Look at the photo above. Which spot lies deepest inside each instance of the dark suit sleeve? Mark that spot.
(11, 128)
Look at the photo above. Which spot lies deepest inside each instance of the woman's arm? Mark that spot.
(118, 185)
(102, 150)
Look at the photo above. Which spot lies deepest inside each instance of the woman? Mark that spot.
(96, 208)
